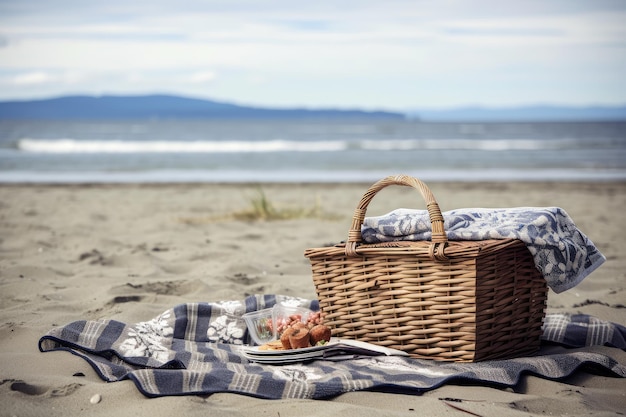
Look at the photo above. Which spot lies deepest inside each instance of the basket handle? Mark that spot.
(439, 239)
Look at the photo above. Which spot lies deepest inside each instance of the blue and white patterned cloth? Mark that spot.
(563, 254)
(195, 348)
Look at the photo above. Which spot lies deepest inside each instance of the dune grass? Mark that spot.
(261, 208)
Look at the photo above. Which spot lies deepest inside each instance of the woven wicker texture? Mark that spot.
(439, 299)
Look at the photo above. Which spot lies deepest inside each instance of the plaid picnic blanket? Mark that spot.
(196, 348)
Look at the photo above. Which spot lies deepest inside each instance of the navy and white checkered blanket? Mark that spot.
(563, 254)
(195, 348)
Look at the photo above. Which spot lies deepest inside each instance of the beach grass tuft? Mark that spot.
(261, 208)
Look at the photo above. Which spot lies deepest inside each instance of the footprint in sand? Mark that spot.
(120, 299)
(39, 390)
(176, 288)
(138, 292)
(95, 257)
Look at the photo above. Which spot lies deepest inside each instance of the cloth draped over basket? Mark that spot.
(562, 253)
(453, 300)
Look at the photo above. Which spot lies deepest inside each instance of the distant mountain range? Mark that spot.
(175, 107)
(162, 107)
(527, 113)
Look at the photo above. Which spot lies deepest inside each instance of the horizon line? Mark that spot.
(403, 110)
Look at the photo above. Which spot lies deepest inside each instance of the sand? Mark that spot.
(129, 252)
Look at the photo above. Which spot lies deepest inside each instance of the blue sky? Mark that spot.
(368, 54)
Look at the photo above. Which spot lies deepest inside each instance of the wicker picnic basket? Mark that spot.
(444, 300)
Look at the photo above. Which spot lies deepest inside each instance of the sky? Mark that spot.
(386, 55)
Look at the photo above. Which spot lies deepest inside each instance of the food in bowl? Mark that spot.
(260, 326)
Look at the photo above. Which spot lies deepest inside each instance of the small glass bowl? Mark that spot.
(284, 315)
(261, 326)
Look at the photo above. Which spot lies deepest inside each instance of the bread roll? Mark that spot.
(299, 338)
(284, 338)
(318, 333)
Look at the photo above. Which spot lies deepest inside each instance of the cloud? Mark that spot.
(202, 77)
(32, 78)
(29, 79)
(358, 53)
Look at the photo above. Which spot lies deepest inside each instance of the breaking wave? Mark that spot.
(233, 146)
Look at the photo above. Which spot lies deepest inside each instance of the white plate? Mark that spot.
(256, 351)
(336, 348)
(282, 359)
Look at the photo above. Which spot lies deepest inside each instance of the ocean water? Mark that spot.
(154, 151)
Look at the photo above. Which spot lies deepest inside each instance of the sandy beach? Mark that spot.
(130, 252)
